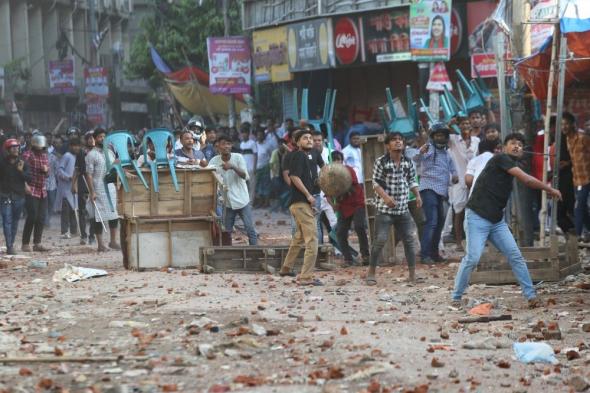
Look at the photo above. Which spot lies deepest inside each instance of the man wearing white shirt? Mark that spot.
(248, 149)
(232, 168)
(264, 149)
(353, 156)
(462, 148)
(487, 149)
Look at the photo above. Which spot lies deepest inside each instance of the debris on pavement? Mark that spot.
(71, 273)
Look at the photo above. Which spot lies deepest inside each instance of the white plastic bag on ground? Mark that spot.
(71, 273)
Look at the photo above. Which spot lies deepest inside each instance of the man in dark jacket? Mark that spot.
(13, 177)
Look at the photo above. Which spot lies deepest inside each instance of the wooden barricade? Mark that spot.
(197, 195)
(372, 148)
(544, 263)
(167, 228)
(155, 243)
(256, 259)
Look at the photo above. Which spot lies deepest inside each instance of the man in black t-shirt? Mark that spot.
(484, 218)
(303, 181)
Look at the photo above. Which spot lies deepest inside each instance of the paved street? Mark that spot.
(185, 331)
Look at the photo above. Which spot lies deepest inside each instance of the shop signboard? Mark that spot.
(61, 76)
(310, 45)
(386, 35)
(229, 65)
(543, 10)
(430, 30)
(348, 42)
(269, 55)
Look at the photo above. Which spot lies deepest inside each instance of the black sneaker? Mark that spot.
(287, 274)
(10, 251)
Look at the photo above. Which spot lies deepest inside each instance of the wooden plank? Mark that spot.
(256, 258)
(506, 276)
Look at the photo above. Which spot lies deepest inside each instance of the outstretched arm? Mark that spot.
(533, 183)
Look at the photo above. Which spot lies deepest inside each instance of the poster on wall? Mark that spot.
(430, 30)
(310, 45)
(387, 35)
(269, 55)
(229, 65)
(61, 76)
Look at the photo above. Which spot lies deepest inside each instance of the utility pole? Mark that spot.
(232, 99)
(93, 29)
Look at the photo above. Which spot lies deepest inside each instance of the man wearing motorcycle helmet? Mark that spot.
(437, 169)
(13, 175)
(36, 200)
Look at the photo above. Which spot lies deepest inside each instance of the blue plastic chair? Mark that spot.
(474, 98)
(327, 115)
(481, 86)
(119, 142)
(160, 138)
(407, 125)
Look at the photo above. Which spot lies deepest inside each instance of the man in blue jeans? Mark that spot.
(232, 168)
(393, 178)
(437, 170)
(484, 218)
(13, 175)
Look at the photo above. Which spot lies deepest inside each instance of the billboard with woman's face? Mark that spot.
(430, 30)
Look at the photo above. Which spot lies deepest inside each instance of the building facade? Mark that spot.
(45, 48)
(359, 48)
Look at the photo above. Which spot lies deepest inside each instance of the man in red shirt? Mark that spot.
(36, 200)
(351, 207)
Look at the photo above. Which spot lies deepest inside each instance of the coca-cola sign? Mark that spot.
(346, 40)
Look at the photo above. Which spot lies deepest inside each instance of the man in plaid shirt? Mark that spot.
(36, 200)
(393, 178)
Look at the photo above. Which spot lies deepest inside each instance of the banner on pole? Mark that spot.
(430, 30)
(61, 76)
(96, 89)
(230, 67)
(96, 80)
(439, 78)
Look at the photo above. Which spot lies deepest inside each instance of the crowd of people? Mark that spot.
(427, 185)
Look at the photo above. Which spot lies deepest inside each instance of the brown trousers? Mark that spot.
(305, 236)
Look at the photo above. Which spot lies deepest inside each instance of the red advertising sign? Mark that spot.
(346, 40)
(485, 65)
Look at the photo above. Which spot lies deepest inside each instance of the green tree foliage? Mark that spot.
(179, 27)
